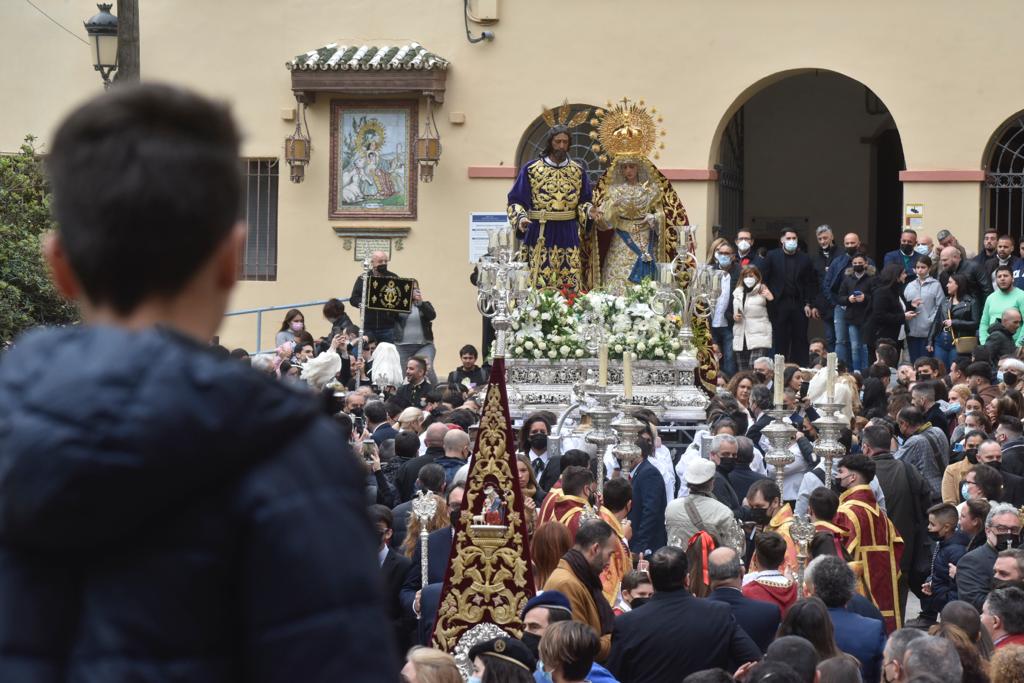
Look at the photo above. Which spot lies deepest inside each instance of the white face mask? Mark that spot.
(749, 282)
(921, 249)
(789, 245)
(743, 245)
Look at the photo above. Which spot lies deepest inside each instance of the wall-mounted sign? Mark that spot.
(480, 225)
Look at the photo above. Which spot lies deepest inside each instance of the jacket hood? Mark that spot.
(868, 270)
(101, 428)
(998, 328)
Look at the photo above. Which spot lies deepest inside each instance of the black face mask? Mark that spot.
(1006, 583)
(850, 251)
(1009, 378)
(972, 455)
(997, 465)
(638, 602)
(858, 269)
(1006, 541)
(454, 513)
(907, 249)
(727, 465)
(532, 643)
(935, 536)
(381, 269)
(759, 515)
(356, 412)
(539, 442)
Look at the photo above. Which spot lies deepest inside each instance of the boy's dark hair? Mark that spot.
(574, 479)
(770, 549)
(634, 578)
(394, 409)
(861, 464)
(146, 184)
(407, 445)
(333, 309)
(824, 503)
(375, 412)
(469, 349)
(382, 513)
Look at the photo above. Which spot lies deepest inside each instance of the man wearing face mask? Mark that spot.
(1010, 435)
(953, 477)
(394, 567)
(722, 317)
(647, 516)
(770, 513)
(745, 254)
(541, 611)
(974, 571)
(822, 260)
(379, 324)
(790, 277)
(990, 453)
(950, 546)
(830, 293)
(871, 538)
(723, 454)
(906, 256)
(534, 442)
(1008, 569)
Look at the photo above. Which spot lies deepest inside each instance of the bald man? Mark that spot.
(405, 479)
(378, 324)
(905, 255)
(830, 291)
(758, 618)
(951, 261)
(1000, 338)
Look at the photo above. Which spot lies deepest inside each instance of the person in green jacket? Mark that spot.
(1005, 296)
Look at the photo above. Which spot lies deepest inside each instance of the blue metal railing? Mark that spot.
(258, 312)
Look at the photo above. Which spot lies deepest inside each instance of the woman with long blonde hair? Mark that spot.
(440, 520)
(427, 665)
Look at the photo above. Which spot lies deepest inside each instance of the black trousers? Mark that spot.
(789, 331)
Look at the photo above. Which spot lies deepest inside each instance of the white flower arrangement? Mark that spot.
(553, 327)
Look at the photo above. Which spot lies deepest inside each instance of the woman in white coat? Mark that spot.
(751, 329)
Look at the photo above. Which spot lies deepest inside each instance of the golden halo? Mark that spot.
(370, 137)
(627, 128)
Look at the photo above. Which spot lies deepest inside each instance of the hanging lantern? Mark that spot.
(296, 149)
(428, 147)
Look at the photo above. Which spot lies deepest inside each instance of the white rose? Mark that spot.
(674, 345)
(658, 352)
(534, 314)
(541, 344)
(641, 347)
(545, 316)
(579, 353)
(536, 353)
(618, 348)
(552, 354)
(564, 350)
(528, 345)
(519, 350)
(555, 339)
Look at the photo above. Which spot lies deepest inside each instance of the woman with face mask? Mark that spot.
(292, 328)
(751, 328)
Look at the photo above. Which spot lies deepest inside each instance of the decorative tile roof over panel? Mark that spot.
(335, 57)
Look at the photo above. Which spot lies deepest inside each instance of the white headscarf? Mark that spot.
(387, 366)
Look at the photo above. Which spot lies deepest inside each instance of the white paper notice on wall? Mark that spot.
(480, 225)
(913, 216)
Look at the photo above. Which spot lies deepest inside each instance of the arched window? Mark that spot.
(532, 143)
(1004, 180)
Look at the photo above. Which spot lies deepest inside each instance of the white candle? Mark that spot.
(627, 375)
(492, 240)
(830, 377)
(602, 365)
(780, 366)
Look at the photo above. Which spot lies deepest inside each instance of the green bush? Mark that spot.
(27, 296)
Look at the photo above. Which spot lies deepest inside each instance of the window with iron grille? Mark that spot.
(259, 208)
(1004, 181)
(531, 146)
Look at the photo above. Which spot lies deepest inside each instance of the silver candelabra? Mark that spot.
(502, 284)
(829, 425)
(779, 433)
(424, 506)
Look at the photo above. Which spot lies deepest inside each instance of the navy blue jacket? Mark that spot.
(168, 515)
(861, 637)
(896, 256)
(439, 547)
(834, 277)
(948, 552)
(675, 634)
(647, 516)
(760, 620)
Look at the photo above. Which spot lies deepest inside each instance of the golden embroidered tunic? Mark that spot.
(556, 199)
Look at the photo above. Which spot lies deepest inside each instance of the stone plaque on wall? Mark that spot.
(363, 241)
(367, 245)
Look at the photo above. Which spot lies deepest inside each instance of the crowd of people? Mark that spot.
(171, 514)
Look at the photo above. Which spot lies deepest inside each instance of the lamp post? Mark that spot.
(102, 30)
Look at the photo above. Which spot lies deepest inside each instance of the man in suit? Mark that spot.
(422, 601)
(647, 517)
(790, 276)
(394, 567)
(760, 620)
(905, 256)
(829, 578)
(533, 438)
(377, 422)
(974, 571)
(431, 478)
(675, 634)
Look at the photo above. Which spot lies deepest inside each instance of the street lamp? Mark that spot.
(102, 30)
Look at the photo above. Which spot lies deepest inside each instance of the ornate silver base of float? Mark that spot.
(666, 387)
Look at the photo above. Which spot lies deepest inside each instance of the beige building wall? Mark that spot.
(946, 69)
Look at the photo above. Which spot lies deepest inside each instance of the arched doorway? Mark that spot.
(805, 148)
(1003, 207)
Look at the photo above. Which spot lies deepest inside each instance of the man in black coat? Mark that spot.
(405, 480)
(647, 516)
(758, 619)
(952, 261)
(393, 567)
(790, 276)
(822, 260)
(1000, 335)
(378, 324)
(168, 514)
(675, 634)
